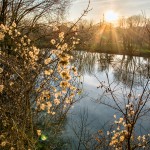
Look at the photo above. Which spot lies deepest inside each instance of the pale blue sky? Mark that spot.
(122, 7)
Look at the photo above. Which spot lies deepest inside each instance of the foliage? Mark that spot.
(129, 36)
(35, 86)
(131, 104)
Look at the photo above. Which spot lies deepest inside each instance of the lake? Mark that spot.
(99, 74)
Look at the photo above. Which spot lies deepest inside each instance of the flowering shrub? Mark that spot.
(32, 81)
(124, 133)
(132, 107)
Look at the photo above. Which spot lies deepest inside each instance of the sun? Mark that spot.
(111, 16)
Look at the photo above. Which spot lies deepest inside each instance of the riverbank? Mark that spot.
(140, 53)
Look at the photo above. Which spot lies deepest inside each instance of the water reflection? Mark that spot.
(124, 71)
(132, 70)
(86, 61)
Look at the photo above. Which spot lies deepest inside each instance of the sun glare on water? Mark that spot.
(111, 16)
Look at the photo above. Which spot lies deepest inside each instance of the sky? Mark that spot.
(124, 8)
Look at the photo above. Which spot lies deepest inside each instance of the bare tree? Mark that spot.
(33, 10)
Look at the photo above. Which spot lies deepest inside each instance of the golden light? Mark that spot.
(111, 16)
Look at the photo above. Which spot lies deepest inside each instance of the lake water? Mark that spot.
(99, 72)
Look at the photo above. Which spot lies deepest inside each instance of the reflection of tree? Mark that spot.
(87, 61)
(124, 67)
(130, 68)
(83, 134)
(104, 60)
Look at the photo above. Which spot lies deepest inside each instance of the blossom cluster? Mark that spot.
(123, 133)
(37, 76)
(20, 44)
(62, 90)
